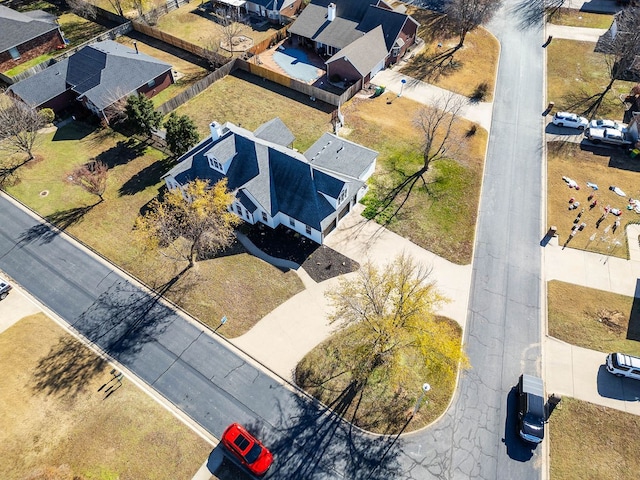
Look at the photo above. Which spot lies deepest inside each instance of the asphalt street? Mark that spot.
(197, 372)
(212, 383)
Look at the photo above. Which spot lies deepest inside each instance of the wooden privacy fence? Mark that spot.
(269, 42)
(298, 86)
(195, 89)
(179, 43)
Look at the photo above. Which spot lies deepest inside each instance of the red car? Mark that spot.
(247, 448)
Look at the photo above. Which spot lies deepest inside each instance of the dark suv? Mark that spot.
(531, 409)
(4, 289)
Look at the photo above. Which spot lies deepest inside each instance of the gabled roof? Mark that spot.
(102, 72)
(353, 19)
(279, 179)
(275, 131)
(365, 52)
(275, 5)
(17, 28)
(341, 156)
(312, 23)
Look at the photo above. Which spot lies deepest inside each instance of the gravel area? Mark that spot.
(319, 261)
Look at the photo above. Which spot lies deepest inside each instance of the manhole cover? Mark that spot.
(44, 193)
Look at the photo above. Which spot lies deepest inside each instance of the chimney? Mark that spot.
(135, 45)
(331, 12)
(216, 130)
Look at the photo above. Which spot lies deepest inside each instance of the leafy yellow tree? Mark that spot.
(390, 316)
(190, 222)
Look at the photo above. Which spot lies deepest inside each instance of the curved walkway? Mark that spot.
(285, 335)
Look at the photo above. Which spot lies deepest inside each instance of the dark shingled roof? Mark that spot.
(102, 72)
(275, 131)
(279, 179)
(364, 53)
(391, 21)
(276, 5)
(17, 28)
(312, 23)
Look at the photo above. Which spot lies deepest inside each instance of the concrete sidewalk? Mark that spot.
(425, 93)
(575, 33)
(282, 338)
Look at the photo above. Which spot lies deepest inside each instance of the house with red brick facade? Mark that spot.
(358, 38)
(96, 76)
(24, 36)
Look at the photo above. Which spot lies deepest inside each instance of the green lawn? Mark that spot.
(588, 441)
(593, 319)
(378, 407)
(249, 101)
(440, 217)
(245, 287)
(575, 72)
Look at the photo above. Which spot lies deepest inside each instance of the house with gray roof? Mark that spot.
(274, 10)
(358, 38)
(96, 76)
(24, 36)
(276, 185)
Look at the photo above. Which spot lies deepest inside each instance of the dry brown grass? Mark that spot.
(51, 414)
(575, 72)
(249, 101)
(582, 316)
(196, 27)
(442, 218)
(567, 159)
(575, 18)
(475, 63)
(590, 441)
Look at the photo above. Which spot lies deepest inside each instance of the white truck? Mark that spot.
(611, 136)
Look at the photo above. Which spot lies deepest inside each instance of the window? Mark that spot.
(264, 217)
(342, 196)
(308, 230)
(292, 222)
(213, 163)
(151, 83)
(15, 54)
(239, 209)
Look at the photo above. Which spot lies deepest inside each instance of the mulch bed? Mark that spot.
(319, 261)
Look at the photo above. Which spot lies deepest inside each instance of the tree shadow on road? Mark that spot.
(57, 222)
(315, 440)
(125, 317)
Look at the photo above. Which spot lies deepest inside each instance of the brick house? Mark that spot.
(97, 76)
(358, 38)
(24, 36)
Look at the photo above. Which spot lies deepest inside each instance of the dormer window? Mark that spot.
(215, 164)
(343, 196)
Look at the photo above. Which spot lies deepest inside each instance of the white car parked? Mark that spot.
(608, 124)
(566, 119)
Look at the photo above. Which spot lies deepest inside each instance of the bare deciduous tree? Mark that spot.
(621, 49)
(211, 51)
(441, 139)
(118, 6)
(231, 28)
(83, 8)
(91, 177)
(466, 15)
(532, 13)
(19, 124)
